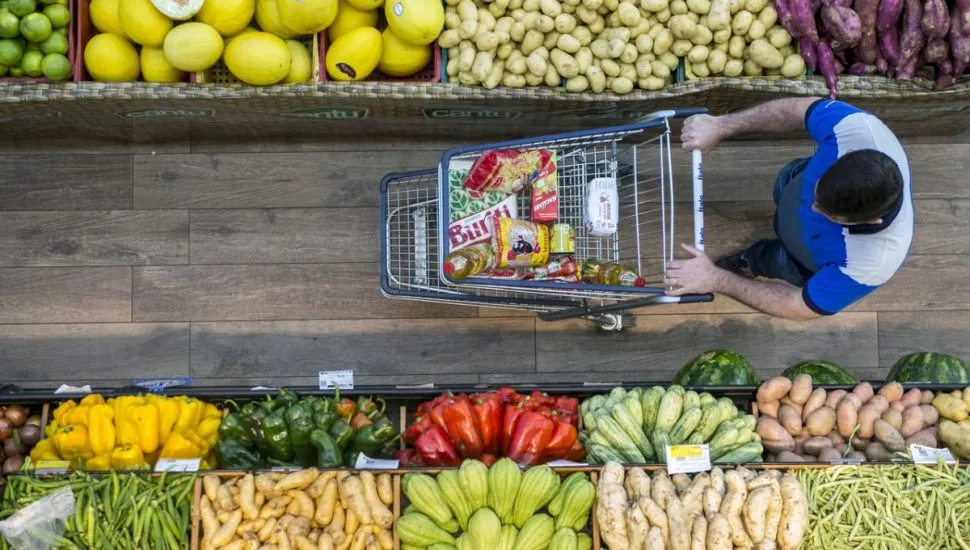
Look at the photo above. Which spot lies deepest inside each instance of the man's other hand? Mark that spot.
(700, 132)
(697, 275)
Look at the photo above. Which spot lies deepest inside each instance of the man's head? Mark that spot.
(861, 187)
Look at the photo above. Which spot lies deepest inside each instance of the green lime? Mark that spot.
(21, 8)
(35, 27)
(9, 25)
(55, 43)
(3, 70)
(30, 63)
(10, 52)
(59, 15)
(16, 72)
(56, 67)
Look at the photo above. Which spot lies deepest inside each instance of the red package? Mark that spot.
(508, 170)
(545, 195)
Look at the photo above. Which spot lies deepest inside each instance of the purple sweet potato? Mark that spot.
(842, 26)
(959, 46)
(882, 66)
(936, 19)
(911, 41)
(944, 76)
(862, 69)
(807, 50)
(786, 17)
(963, 14)
(866, 47)
(827, 64)
(887, 17)
(803, 18)
(936, 51)
(889, 46)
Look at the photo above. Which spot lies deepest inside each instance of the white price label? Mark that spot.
(565, 464)
(51, 467)
(178, 464)
(342, 379)
(688, 459)
(365, 462)
(929, 455)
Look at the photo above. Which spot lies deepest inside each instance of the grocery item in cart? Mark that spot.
(602, 207)
(510, 170)
(610, 274)
(519, 243)
(563, 269)
(545, 196)
(469, 261)
(477, 227)
(461, 203)
(563, 239)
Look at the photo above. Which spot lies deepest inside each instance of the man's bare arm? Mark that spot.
(781, 115)
(774, 298)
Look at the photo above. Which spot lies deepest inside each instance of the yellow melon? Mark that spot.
(229, 17)
(258, 58)
(349, 18)
(417, 22)
(143, 23)
(155, 68)
(355, 55)
(398, 58)
(193, 47)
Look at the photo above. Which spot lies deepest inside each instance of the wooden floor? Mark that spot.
(258, 263)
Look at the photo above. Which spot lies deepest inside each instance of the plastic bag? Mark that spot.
(40, 525)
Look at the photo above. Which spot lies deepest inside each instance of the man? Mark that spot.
(844, 216)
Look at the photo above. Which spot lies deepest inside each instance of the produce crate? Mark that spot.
(72, 52)
(434, 72)
(219, 74)
(196, 520)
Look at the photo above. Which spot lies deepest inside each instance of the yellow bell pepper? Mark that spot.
(72, 442)
(77, 415)
(128, 457)
(123, 402)
(209, 430)
(98, 463)
(51, 428)
(61, 411)
(92, 399)
(145, 417)
(101, 429)
(190, 414)
(44, 450)
(186, 444)
(126, 431)
(211, 411)
(168, 413)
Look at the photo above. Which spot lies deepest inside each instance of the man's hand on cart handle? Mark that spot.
(697, 275)
(700, 132)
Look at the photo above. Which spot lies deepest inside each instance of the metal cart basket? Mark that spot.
(415, 215)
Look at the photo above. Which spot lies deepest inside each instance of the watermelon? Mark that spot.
(928, 367)
(717, 367)
(822, 372)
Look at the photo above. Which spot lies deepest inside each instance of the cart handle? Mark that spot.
(697, 170)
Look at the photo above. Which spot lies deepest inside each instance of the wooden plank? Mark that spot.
(942, 227)
(82, 353)
(311, 378)
(238, 180)
(92, 238)
(271, 292)
(303, 144)
(924, 283)
(88, 146)
(903, 332)
(422, 348)
(65, 295)
(659, 345)
(285, 235)
(65, 182)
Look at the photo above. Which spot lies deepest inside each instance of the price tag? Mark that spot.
(365, 462)
(845, 462)
(688, 459)
(342, 379)
(51, 467)
(178, 464)
(565, 464)
(159, 384)
(929, 455)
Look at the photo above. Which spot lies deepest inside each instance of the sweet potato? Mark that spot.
(936, 51)
(893, 417)
(774, 389)
(803, 19)
(930, 415)
(828, 455)
(912, 421)
(788, 456)
(889, 436)
(876, 451)
(790, 420)
(927, 438)
(833, 397)
(787, 399)
(936, 19)
(815, 445)
(867, 415)
(866, 47)
(856, 455)
(820, 422)
(889, 46)
(817, 399)
(774, 437)
(719, 533)
(911, 41)
(769, 409)
(786, 18)
(844, 29)
(911, 397)
(847, 416)
(801, 389)
(864, 389)
(888, 15)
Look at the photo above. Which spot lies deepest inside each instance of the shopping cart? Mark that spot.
(415, 214)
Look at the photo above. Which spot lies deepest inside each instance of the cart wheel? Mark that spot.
(612, 322)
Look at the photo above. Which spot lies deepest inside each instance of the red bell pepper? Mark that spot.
(414, 431)
(435, 448)
(437, 416)
(568, 405)
(509, 417)
(542, 398)
(425, 408)
(576, 453)
(533, 432)
(409, 458)
(488, 459)
(563, 437)
(508, 395)
(488, 412)
(360, 420)
(459, 416)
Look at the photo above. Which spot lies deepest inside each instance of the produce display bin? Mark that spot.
(434, 72)
(72, 51)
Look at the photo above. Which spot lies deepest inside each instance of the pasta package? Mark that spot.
(509, 170)
(520, 243)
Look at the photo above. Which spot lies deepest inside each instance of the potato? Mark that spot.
(693, 17)
(565, 64)
(583, 35)
(790, 419)
(700, 70)
(755, 6)
(662, 42)
(912, 421)
(533, 80)
(679, 7)
(585, 15)
(756, 31)
(644, 43)
(486, 41)
(877, 452)
(815, 445)
(468, 29)
(552, 8)
(505, 51)
(774, 437)
(600, 48)
(680, 47)
(654, 6)
(815, 401)
(596, 78)
(893, 391)
(577, 83)
(516, 64)
(930, 415)
(927, 438)
(682, 27)
(568, 43)
(778, 37)
(663, 16)
(486, 20)
(774, 388)
(642, 27)
(734, 6)
(584, 58)
(552, 77)
(859, 443)
(911, 397)
(821, 421)
(742, 22)
(788, 456)
(532, 40)
(467, 10)
(629, 55)
(950, 407)
(867, 415)
(769, 409)
(703, 36)
(829, 454)
(833, 398)
(768, 16)
(926, 397)
(518, 32)
(659, 70)
(888, 435)
(716, 61)
(452, 19)
(545, 24)
(565, 23)
(628, 72)
(847, 416)
(628, 14)
(670, 60)
(864, 391)
(513, 80)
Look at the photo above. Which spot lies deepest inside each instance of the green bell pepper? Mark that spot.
(370, 440)
(342, 433)
(277, 435)
(371, 407)
(328, 453)
(232, 455)
(324, 420)
(324, 404)
(253, 415)
(234, 427)
(299, 420)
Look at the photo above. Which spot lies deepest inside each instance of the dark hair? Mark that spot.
(860, 187)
